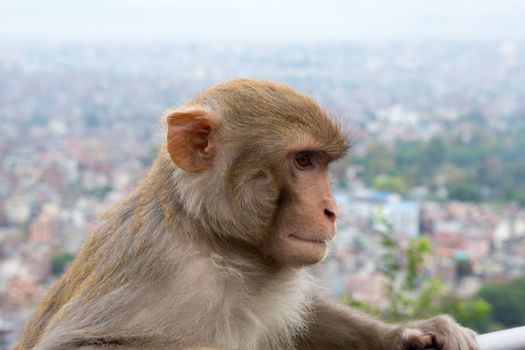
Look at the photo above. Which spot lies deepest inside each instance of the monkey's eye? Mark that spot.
(303, 160)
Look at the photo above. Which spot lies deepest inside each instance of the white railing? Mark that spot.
(508, 339)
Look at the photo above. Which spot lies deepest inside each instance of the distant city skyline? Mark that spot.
(257, 20)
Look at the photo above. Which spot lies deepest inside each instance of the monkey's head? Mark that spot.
(252, 165)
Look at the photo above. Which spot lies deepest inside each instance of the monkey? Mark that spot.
(211, 249)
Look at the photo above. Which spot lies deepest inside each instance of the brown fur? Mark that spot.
(202, 257)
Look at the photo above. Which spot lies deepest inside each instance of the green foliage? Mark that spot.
(507, 300)
(411, 293)
(464, 191)
(465, 163)
(389, 183)
(378, 160)
(59, 262)
(473, 313)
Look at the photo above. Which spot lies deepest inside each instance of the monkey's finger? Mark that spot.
(415, 340)
(426, 340)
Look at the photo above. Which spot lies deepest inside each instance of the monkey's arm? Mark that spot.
(335, 326)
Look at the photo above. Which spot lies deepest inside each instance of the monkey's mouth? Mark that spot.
(308, 240)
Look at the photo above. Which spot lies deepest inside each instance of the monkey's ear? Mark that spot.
(191, 139)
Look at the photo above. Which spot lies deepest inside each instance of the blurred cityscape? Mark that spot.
(438, 132)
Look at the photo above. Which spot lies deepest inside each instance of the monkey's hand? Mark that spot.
(440, 333)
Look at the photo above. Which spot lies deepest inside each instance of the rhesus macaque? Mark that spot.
(210, 250)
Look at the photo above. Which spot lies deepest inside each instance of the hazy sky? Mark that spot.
(273, 20)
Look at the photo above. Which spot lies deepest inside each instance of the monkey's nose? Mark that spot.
(330, 215)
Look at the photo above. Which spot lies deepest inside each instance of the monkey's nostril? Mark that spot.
(329, 214)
